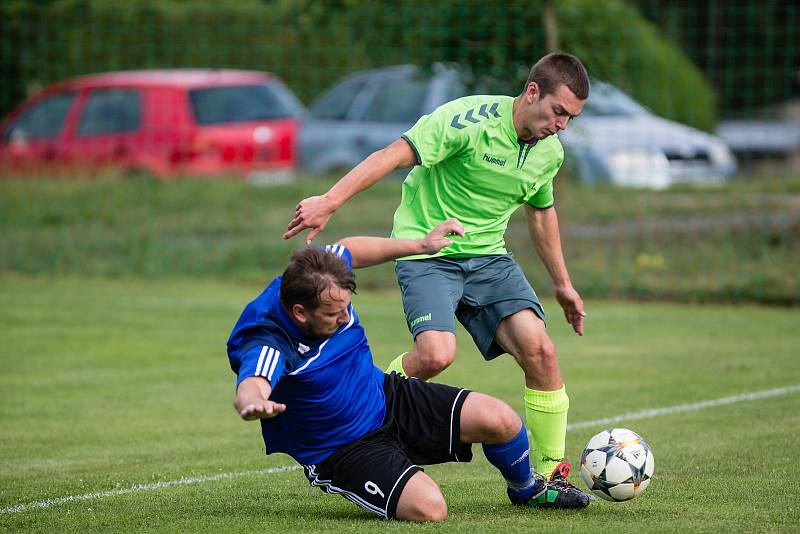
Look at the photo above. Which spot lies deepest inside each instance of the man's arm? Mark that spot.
(543, 229)
(368, 251)
(252, 400)
(314, 212)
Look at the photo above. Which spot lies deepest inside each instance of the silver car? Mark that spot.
(618, 140)
(614, 140)
(368, 110)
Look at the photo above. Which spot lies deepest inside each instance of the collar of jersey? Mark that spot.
(509, 125)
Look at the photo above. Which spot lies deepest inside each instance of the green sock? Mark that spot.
(546, 414)
(397, 365)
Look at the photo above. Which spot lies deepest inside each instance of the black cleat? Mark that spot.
(556, 492)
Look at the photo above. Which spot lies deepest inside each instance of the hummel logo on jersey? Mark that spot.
(469, 116)
(494, 160)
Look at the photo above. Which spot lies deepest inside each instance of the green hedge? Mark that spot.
(311, 43)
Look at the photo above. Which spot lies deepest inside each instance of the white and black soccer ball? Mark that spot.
(617, 464)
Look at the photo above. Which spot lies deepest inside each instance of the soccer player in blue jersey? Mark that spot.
(305, 370)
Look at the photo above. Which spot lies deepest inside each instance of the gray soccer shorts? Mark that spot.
(480, 292)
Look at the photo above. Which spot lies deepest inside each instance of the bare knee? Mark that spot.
(507, 422)
(421, 500)
(426, 510)
(540, 357)
(435, 352)
(485, 419)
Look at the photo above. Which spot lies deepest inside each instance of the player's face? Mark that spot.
(330, 314)
(551, 113)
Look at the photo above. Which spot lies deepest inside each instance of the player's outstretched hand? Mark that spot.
(313, 213)
(572, 304)
(437, 239)
(261, 410)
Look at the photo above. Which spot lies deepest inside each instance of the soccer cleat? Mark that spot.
(561, 472)
(556, 492)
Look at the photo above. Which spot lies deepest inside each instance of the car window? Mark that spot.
(110, 111)
(43, 120)
(608, 101)
(240, 103)
(335, 103)
(397, 100)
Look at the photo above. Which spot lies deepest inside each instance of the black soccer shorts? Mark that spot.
(422, 427)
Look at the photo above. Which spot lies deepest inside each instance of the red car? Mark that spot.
(163, 122)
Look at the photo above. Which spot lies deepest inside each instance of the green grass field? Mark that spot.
(114, 386)
(739, 243)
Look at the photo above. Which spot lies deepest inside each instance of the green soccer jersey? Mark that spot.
(471, 166)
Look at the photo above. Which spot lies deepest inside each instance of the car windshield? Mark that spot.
(607, 101)
(43, 120)
(397, 100)
(241, 103)
(335, 103)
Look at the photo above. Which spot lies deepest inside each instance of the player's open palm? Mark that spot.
(262, 410)
(437, 239)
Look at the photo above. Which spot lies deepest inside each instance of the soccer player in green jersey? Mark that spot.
(477, 159)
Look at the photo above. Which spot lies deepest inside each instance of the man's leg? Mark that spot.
(523, 335)
(433, 352)
(493, 423)
(421, 500)
(431, 290)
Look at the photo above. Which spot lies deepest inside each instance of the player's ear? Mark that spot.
(299, 313)
(532, 92)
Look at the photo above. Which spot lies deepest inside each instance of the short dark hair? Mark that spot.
(560, 68)
(310, 272)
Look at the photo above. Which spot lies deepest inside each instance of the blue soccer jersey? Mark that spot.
(332, 390)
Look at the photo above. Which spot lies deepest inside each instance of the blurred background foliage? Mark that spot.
(694, 62)
(646, 47)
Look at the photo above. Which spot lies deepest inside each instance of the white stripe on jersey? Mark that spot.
(268, 362)
(261, 360)
(337, 249)
(274, 364)
(319, 351)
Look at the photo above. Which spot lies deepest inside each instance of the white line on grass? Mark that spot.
(702, 405)
(643, 414)
(144, 487)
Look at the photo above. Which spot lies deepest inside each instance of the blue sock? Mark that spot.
(512, 458)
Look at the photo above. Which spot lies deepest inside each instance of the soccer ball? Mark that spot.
(617, 464)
